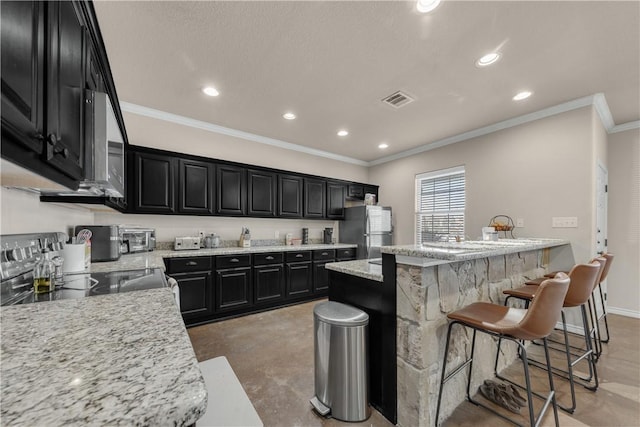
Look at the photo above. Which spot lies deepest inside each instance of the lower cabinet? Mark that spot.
(299, 273)
(233, 282)
(268, 278)
(194, 278)
(223, 286)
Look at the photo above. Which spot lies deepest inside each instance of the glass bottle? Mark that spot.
(43, 274)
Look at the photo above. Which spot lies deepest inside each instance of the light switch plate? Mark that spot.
(519, 222)
(564, 222)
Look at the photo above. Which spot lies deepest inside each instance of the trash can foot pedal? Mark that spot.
(319, 406)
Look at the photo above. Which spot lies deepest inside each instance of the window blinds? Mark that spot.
(440, 204)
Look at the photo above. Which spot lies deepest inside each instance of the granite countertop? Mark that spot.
(361, 268)
(105, 360)
(462, 251)
(154, 259)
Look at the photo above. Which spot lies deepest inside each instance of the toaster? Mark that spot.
(186, 243)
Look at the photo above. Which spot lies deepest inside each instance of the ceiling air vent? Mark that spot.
(397, 100)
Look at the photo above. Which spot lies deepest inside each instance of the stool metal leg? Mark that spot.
(604, 315)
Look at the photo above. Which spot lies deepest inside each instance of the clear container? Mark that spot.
(43, 274)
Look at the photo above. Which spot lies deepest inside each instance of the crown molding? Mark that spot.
(210, 127)
(598, 101)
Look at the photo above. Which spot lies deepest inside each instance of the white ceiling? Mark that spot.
(332, 62)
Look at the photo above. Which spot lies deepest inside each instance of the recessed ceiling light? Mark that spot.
(522, 95)
(211, 91)
(488, 59)
(383, 146)
(343, 133)
(426, 6)
(289, 116)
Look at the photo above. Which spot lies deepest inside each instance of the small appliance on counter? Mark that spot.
(105, 241)
(327, 235)
(212, 241)
(137, 239)
(186, 243)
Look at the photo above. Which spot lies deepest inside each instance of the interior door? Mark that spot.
(601, 214)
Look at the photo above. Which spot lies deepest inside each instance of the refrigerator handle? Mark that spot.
(367, 246)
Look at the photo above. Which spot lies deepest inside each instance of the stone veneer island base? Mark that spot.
(428, 288)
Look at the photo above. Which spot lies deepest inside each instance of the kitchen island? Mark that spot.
(104, 360)
(419, 285)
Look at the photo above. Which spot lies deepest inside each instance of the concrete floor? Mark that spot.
(272, 356)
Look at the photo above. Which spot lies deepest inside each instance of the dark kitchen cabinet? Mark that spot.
(321, 274)
(371, 189)
(153, 183)
(268, 278)
(195, 187)
(299, 274)
(43, 79)
(261, 193)
(233, 282)
(290, 189)
(335, 199)
(314, 198)
(231, 197)
(355, 192)
(195, 281)
(345, 254)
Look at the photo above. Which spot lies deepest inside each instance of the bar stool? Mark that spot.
(605, 272)
(583, 279)
(516, 325)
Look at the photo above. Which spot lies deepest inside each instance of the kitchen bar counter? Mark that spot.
(360, 268)
(154, 259)
(104, 360)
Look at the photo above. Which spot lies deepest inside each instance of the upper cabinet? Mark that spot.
(153, 183)
(261, 193)
(336, 192)
(195, 187)
(51, 53)
(231, 189)
(314, 198)
(290, 190)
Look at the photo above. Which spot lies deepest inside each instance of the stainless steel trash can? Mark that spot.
(341, 361)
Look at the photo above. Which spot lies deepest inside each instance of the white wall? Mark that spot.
(22, 212)
(624, 222)
(533, 171)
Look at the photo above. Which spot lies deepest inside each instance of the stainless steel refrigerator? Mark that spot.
(369, 227)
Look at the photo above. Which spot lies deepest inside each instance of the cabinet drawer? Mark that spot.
(322, 254)
(298, 256)
(268, 258)
(348, 253)
(184, 265)
(233, 261)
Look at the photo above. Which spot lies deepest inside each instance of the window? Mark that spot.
(440, 203)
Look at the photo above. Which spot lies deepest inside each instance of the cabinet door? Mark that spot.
(196, 294)
(22, 50)
(335, 200)
(355, 191)
(261, 193)
(320, 276)
(268, 283)
(290, 196)
(154, 183)
(195, 187)
(65, 143)
(233, 289)
(299, 279)
(231, 190)
(314, 198)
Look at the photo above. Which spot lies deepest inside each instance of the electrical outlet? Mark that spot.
(276, 234)
(564, 222)
(520, 222)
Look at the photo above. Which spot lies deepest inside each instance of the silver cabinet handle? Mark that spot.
(325, 253)
(299, 256)
(269, 258)
(192, 263)
(234, 260)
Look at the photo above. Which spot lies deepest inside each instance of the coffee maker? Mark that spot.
(328, 235)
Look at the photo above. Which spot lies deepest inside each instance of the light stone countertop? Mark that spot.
(104, 360)
(154, 259)
(467, 250)
(360, 267)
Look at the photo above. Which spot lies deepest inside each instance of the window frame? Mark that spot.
(433, 175)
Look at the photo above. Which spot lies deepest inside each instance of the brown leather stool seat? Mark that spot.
(583, 279)
(513, 324)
